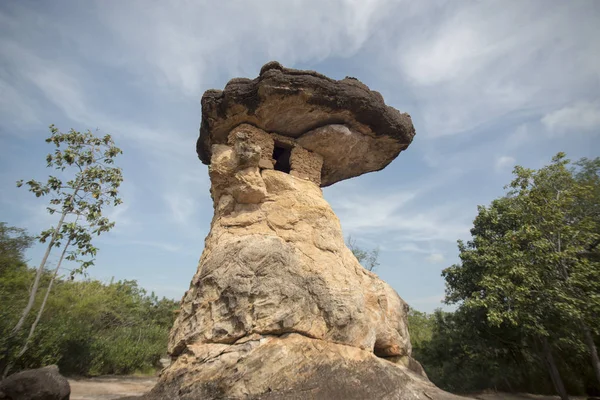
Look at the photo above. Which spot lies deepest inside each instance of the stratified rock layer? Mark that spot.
(279, 307)
(344, 121)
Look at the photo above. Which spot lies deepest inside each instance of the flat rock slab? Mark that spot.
(343, 120)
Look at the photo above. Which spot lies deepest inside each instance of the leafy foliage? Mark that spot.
(13, 243)
(527, 289)
(461, 353)
(87, 184)
(16, 278)
(88, 328)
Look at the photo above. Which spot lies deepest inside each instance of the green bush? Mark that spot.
(461, 353)
(88, 327)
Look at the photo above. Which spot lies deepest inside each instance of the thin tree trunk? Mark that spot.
(553, 371)
(4, 362)
(40, 269)
(589, 341)
(39, 314)
(38, 276)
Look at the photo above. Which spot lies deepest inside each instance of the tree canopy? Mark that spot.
(89, 327)
(87, 182)
(530, 275)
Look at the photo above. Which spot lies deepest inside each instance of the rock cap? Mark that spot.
(344, 121)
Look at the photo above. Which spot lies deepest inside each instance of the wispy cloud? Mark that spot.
(408, 248)
(436, 258)
(486, 83)
(181, 207)
(504, 162)
(395, 215)
(70, 89)
(582, 115)
(157, 245)
(177, 54)
(486, 61)
(14, 107)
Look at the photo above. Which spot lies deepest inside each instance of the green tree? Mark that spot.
(588, 175)
(90, 328)
(368, 259)
(13, 243)
(16, 278)
(88, 181)
(528, 265)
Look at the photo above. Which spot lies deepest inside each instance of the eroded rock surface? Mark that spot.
(275, 262)
(290, 367)
(319, 112)
(279, 307)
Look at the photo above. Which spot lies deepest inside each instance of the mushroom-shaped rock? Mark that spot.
(343, 121)
(279, 307)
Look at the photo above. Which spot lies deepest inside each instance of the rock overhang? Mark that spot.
(343, 121)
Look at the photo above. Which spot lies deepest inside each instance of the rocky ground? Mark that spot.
(113, 387)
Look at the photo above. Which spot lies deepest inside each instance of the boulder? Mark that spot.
(36, 384)
(291, 367)
(320, 113)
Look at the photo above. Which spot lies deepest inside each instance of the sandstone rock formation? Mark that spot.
(342, 120)
(279, 307)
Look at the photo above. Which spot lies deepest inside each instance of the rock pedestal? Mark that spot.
(279, 307)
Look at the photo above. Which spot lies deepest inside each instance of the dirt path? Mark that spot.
(519, 396)
(110, 387)
(113, 387)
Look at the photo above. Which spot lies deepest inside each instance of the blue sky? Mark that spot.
(489, 84)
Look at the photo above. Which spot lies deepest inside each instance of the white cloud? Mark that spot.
(181, 206)
(481, 62)
(400, 217)
(137, 69)
(504, 162)
(447, 56)
(581, 116)
(407, 248)
(160, 245)
(435, 258)
(14, 107)
(188, 49)
(120, 215)
(521, 135)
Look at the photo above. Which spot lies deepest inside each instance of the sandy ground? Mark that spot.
(109, 387)
(519, 396)
(113, 387)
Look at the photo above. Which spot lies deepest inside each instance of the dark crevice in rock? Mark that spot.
(281, 155)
